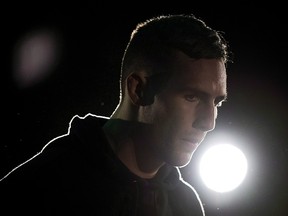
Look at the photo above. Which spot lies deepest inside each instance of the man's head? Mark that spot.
(153, 44)
(173, 79)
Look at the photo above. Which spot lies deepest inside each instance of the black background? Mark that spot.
(93, 38)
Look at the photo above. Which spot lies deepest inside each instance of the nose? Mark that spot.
(205, 117)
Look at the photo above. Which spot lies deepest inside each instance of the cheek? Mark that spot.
(180, 110)
(173, 116)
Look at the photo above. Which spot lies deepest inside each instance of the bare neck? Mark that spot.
(132, 147)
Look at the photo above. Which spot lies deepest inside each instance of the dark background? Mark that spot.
(93, 38)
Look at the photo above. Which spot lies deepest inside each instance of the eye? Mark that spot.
(191, 98)
(219, 103)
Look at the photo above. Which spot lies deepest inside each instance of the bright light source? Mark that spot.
(223, 167)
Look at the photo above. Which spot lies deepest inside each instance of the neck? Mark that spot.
(132, 147)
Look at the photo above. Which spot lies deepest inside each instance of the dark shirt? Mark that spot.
(78, 174)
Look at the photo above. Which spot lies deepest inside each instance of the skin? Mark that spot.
(170, 129)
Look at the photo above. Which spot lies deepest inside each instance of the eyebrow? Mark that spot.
(203, 94)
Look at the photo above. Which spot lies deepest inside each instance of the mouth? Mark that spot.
(191, 143)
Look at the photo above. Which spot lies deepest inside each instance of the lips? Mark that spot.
(191, 143)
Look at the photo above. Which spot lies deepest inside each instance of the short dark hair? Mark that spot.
(153, 42)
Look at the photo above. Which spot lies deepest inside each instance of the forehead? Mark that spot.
(201, 73)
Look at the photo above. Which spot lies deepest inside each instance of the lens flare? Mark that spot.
(223, 167)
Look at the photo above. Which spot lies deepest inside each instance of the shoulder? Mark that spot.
(44, 161)
(77, 150)
(36, 180)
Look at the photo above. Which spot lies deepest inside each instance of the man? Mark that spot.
(173, 79)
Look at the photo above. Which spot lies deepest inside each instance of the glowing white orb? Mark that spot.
(223, 167)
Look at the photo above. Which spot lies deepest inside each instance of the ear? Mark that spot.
(135, 86)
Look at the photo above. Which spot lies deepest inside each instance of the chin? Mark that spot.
(183, 165)
(181, 161)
